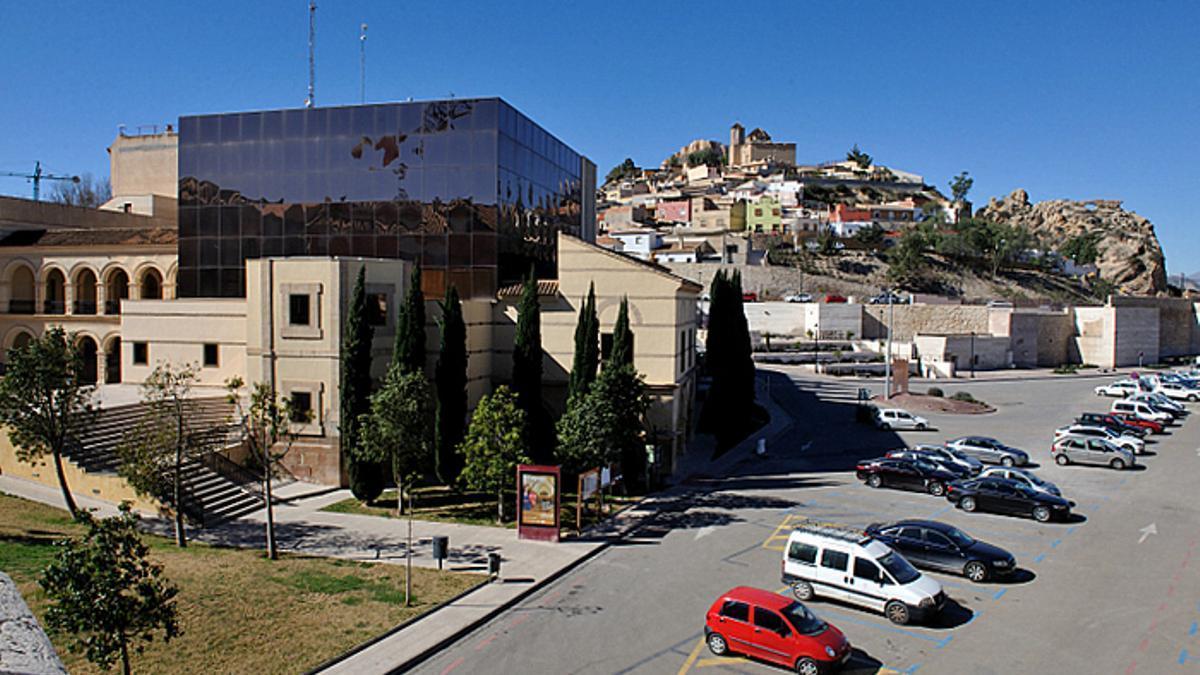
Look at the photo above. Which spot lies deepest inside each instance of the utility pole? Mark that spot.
(887, 358)
(312, 41)
(972, 355)
(362, 64)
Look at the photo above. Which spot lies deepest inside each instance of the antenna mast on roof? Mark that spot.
(362, 64)
(312, 39)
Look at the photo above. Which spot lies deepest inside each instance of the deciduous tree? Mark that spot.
(960, 185)
(106, 595)
(44, 402)
(494, 446)
(90, 192)
(399, 428)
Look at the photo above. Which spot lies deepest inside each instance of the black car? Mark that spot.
(929, 544)
(1108, 421)
(1001, 495)
(937, 460)
(914, 474)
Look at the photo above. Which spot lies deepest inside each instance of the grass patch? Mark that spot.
(240, 613)
(440, 504)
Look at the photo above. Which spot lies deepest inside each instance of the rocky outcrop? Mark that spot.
(24, 648)
(1129, 254)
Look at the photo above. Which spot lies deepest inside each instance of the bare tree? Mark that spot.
(90, 192)
(266, 428)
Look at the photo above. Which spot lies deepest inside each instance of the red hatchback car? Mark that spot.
(1133, 420)
(772, 627)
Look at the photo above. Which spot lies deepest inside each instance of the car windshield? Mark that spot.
(925, 465)
(958, 454)
(960, 538)
(899, 568)
(1033, 478)
(804, 621)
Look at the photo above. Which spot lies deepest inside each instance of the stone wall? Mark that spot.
(24, 647)
(1178, 330)
(929, 319)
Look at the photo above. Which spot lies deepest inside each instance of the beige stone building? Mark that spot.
(757, 148)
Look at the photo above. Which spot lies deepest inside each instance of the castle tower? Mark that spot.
(737, 136)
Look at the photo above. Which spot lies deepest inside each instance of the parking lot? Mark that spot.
(1103, 592)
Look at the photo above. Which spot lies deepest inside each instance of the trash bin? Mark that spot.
(441, 549)
(494, 565)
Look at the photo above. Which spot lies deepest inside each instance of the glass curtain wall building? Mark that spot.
(471, 189)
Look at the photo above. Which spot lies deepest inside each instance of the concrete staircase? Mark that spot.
(215, 489)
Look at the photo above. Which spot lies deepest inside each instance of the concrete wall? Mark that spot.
(106, 486)
(1136, 334)
(929, 319)
(175, 332)
(1178, 328)
(145, 164)
(1094, 340)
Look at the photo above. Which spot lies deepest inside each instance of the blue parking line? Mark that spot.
(1040, 558)
(1055, 543)
(939, 512)
(1183, 657)
(1071, 529)
(1192, 630)
(1000, 593)
(890, 629)
(974, 615)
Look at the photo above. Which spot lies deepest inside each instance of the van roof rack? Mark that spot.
(833, 531)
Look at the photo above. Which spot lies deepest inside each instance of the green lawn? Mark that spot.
(440, 504)
(240, 612)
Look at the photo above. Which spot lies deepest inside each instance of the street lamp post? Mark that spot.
(887, 358)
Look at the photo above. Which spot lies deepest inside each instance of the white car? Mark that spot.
(1027, 478)
(798, 297)
(1131, 443)
(1120, 388)
(852, 567)
(1142, 411)
(1179, 391)
(1161, 402)
(895, 418)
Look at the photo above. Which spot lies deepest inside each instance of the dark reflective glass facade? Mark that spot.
(472, 190)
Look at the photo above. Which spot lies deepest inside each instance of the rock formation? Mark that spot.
(1129, 253)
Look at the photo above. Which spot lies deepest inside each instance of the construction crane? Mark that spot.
(37, 177)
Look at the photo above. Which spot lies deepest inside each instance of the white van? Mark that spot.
(850, 566)
(1141, 410)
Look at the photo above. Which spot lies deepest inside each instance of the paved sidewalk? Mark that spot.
(301, 527)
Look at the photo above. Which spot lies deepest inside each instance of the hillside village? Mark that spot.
(852, 226)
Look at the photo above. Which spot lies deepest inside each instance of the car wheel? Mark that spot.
(936, 488)
(1062, 460)
(976, 571)
(1118, 464)
(897, 612)
(874, 480)
(1007, 461)
(968, 504)
(885, 426)
(717, 644)
(921, 427)
(803, 591)
(806, 666)
(1041, 514)
(1192, 398)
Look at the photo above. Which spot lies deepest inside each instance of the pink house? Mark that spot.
(674, 212)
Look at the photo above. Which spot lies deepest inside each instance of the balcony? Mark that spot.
(85, 307)
(54, 307)
(21, 306)
(112, 306)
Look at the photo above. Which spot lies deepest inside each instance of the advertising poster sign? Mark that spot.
(538, 502)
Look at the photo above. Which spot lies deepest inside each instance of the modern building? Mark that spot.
(278, 211)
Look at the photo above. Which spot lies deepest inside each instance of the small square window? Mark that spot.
(298, 309)
(141, 353)
(301, 407)
(211, 354)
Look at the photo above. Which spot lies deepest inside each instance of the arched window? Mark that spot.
(88, 352)
(85, 292)
(151, 285)
(22, 291)
(116, 289)
(55, 299)
(112, 361)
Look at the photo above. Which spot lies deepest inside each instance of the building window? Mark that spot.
(141, 353)
(298, 310)
(758, 212)
(682, 351)
(301, 408)
(377, 309)
(211, 354)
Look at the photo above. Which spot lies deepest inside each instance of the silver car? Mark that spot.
(1131, 443)
(1028, 478)
(948, 456)
(989, 450)
(1086, 450)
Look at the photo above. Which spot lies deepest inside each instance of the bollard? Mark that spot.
(441, 549)
(494, 565)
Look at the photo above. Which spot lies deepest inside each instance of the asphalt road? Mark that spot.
(1093, 597)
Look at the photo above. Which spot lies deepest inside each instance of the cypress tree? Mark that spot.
(587, 346)
(714, 356)
(527, 368)
(366, 476)
(622, 345)
(409, 350)
(450, 378)
(741, 351)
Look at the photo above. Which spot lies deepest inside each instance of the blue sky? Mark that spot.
(1065, 99)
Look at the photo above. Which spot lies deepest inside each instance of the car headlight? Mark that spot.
(1000, 563)
(829, 651)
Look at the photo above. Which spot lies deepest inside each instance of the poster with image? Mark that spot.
(539, 499)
